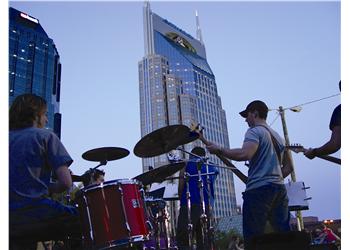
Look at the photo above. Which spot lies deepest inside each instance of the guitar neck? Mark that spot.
(228, 163)
(330, 158)
(324, 157)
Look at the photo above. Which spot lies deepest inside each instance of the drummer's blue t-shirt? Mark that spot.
(29, 149)
(191, 169)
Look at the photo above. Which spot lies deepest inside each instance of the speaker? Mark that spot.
(293, 240)
(324, 247)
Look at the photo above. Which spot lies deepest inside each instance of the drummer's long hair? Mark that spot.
(24, 110)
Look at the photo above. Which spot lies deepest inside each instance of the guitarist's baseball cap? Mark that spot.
(257, 105)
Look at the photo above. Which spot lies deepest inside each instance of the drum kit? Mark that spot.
(120, 214)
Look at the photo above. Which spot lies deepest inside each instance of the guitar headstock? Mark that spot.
(197, 128)
(296, 148)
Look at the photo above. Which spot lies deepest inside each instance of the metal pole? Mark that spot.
(299, 216)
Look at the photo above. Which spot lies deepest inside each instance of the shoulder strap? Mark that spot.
(274, 142)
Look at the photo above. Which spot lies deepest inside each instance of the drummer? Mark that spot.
(35, 154)
(192, 170)
(93, 176)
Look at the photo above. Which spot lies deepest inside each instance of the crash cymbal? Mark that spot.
(105, 154)
(159, 174)
(163, 140)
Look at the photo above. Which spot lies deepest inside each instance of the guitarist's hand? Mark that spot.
(213, 148)
(310, 153)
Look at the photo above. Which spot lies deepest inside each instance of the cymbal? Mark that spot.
(163, 140)
(159, 174)
(105, 154)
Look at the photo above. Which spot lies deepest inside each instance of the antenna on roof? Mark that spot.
(199, 31)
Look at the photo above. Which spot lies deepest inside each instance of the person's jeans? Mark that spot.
(265, 203)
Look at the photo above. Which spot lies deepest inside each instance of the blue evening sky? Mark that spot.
(284, 53)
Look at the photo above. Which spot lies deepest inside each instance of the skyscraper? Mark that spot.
(34, 64)
(177, 86)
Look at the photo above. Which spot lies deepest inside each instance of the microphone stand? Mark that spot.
(188, 199)
(203, 215)
(210, 228)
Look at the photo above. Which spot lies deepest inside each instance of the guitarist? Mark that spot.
(334, 143)
(265, 198)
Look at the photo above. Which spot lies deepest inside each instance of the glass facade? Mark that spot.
(177, 86)
(34, 64)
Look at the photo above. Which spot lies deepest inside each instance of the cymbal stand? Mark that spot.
(102, 163)
(210, 229)
(88, 174)
(188, 199)
(203, 215)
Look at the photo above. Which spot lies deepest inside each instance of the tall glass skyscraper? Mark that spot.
(177, 86)
(34, 64)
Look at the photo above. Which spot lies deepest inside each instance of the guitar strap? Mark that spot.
(274, 142)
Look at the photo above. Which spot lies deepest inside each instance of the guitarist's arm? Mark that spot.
(235, 170)
(237, 154)
(330, 147)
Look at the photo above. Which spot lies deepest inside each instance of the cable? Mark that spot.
(306, 103)
(277, 115)
(303, 104)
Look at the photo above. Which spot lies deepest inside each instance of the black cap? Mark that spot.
(257, 105)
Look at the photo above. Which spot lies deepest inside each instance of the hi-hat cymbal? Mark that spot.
(105, 154)
(159, 174)
(163, 140)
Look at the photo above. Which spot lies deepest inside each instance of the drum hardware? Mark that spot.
(188, 199)
(112, 215)
(102, 155)
(105, 154)
(123, 208)
(89, 218)
(163, 140)
(157, 212)
(159, 174)
(156, 143)
(205, 217)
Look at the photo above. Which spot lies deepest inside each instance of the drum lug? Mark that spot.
(124, 211)
(89, 217)
(149, 225)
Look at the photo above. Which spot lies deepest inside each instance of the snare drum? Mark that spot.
(112, 214)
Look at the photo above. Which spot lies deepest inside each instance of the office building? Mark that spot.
(34, 64)
(177, 86)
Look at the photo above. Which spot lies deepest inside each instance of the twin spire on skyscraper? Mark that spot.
(199, 31)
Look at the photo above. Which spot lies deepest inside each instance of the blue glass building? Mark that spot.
(34, 64)
(177, 86)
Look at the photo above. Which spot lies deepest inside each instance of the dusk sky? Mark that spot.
(284, 53)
